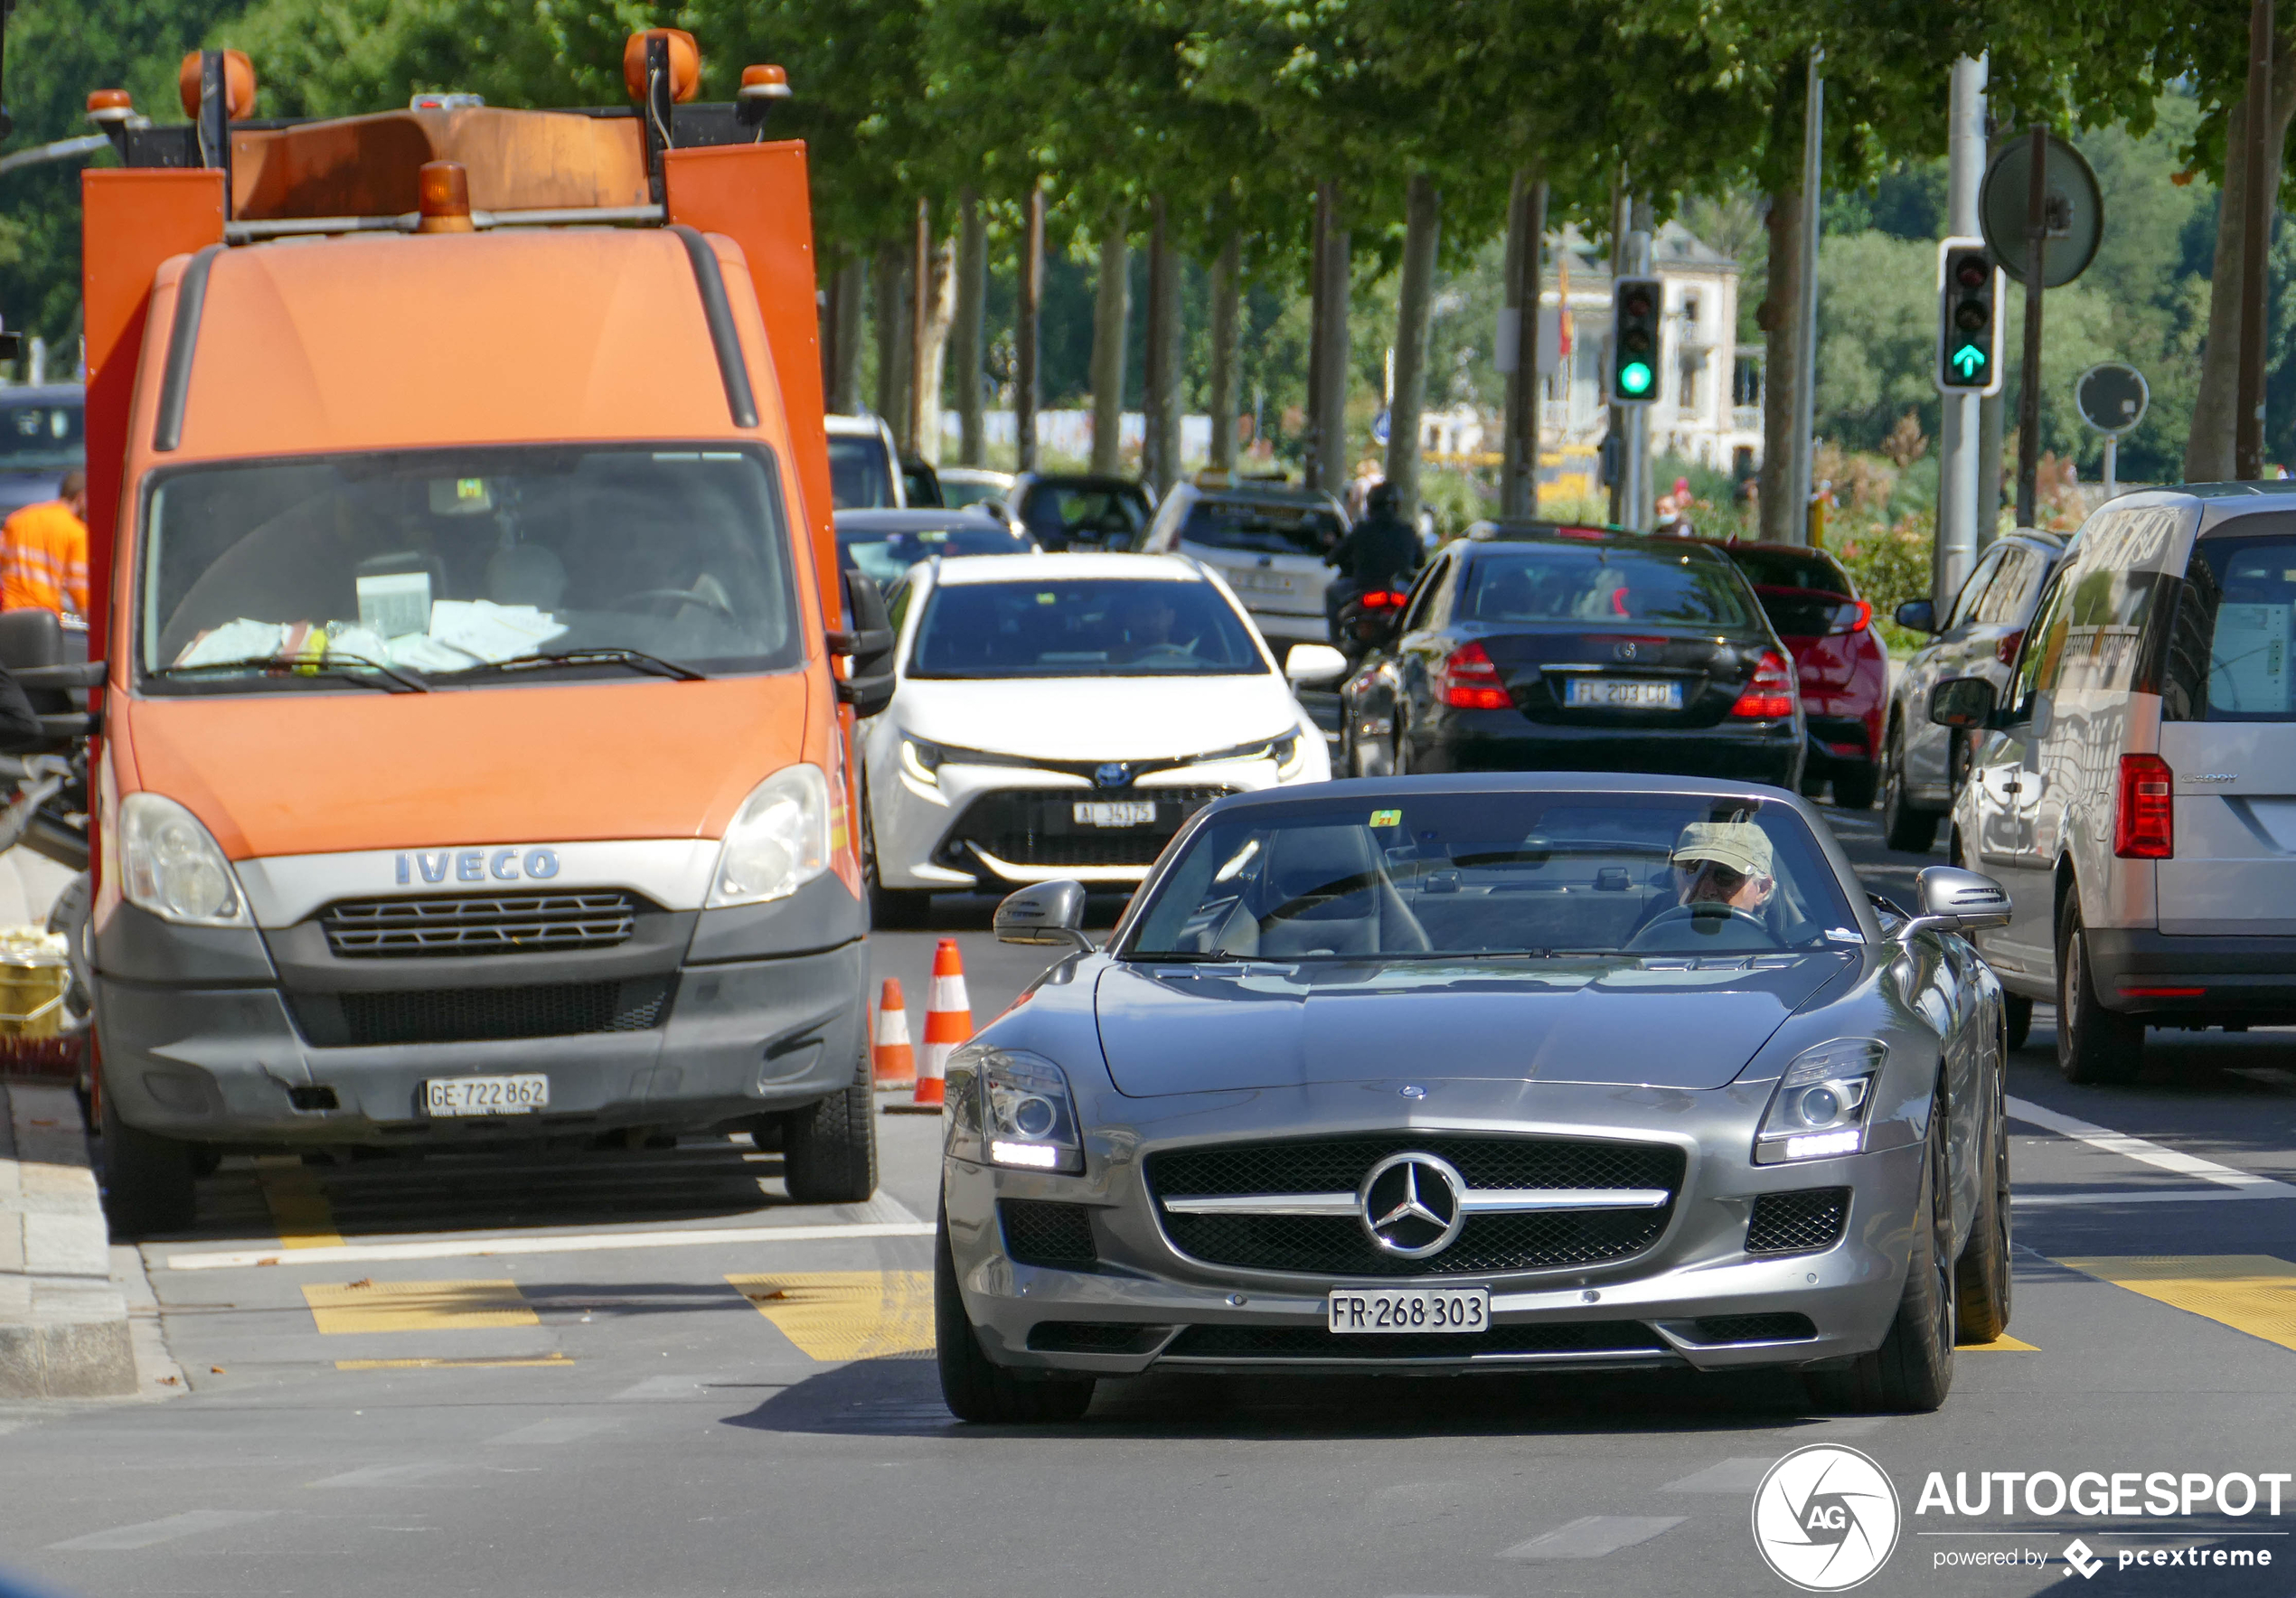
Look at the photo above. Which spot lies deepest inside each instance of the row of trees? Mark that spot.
(1324, 141)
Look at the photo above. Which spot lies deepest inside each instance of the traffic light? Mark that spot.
(1969, 318)
(1635, 307)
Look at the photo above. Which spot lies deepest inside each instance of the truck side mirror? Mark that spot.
(1917, 616)
(1963, 701)
(866, 641)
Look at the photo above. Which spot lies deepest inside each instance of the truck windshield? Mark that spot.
(447, 561)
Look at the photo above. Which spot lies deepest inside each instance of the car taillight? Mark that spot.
(2006, 650)
(2144, 819)
(1852, 615)
(1470, 681)
(1769, 693)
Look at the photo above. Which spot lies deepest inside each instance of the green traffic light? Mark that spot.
(1634, 378)
(1968, 361)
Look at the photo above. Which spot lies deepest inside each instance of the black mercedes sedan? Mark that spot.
(1578, 649)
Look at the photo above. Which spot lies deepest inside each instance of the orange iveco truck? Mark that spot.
(472, 760)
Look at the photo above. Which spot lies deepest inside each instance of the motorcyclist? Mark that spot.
(1381, 553)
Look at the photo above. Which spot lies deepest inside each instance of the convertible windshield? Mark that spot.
(1087, 627)
(456, 561)
(1464, 874)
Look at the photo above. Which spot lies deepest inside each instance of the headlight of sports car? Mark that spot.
(1008, 1107)
(1819, 1109)
(779, 839)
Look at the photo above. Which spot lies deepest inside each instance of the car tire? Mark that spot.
(2017, 1010)
(829, 1150)
(1912, 1370)
(2094, 1044)
(150, 1182)
(1854, 787)
(1903, 828)
(1982, 1284)
(890, 909)
(973, 1388)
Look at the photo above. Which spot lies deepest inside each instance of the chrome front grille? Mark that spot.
(479, 923)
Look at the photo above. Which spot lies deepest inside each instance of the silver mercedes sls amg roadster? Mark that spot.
(1484, 1072)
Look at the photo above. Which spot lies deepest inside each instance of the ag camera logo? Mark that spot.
(1825, 1518)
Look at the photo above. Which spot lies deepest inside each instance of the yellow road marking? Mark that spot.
(2250, 1293)
(416, 1306)
(2003, 1344)
(847, 1314)
(298, 1204)
(446, 1364)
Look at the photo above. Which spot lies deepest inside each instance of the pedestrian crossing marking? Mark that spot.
(341, 1307)
(448, 1364)
(2003, 1344)
(2250, 1293)
(298, 1204)
(847, 1314)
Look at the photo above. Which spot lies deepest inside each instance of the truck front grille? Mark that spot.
(479, 923)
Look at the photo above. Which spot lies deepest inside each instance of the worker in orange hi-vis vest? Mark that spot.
(44, 553)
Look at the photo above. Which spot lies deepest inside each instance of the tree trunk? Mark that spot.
(1024, 334)
(1319, 253)
(1422, 229)
(1332, 368)
(2208, 448)
(965, 335)
(1526, 240)
(1780, 318)
(940, 314)
(1111, 308)
(848, 293)
(892, 335)
(1160, 440)
(924, 360)
(1227, 297)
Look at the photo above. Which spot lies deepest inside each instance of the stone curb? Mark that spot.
(64, 1328)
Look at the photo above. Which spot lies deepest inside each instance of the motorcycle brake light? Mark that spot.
(1470, 681)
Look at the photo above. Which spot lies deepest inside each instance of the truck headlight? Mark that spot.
(1818, 1107)
(779, 839)
(172, 867)
(1011, 1108)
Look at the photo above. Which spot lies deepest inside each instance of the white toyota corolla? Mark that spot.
(1063, 719)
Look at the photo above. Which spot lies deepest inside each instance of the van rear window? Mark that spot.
(446, 563)
(2229, 652)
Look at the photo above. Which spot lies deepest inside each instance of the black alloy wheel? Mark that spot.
(1982, 1273)
(973, 1386)
(1903, 827)
(2094, 1045)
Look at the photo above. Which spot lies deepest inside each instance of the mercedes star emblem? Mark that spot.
(1411, 1204)
(1625, 650)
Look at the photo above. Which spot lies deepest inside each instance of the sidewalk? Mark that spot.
(63, 1319)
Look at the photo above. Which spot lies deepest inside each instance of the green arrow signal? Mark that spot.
(1967, 358)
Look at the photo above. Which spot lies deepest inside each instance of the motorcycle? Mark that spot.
(1368, 623)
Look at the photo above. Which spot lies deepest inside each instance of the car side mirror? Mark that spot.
(1964, 702)
(866, 641)
(1951, 900)
(1314, 665)
(1044, 913)
(1917, 616)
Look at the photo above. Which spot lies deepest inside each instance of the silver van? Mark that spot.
(2134, 787)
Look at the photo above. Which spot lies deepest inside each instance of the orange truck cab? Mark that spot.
(474, 757)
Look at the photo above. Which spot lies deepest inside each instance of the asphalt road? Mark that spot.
(623, 1410)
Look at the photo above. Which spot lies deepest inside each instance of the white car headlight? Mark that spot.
(1291, 754)
(1008, 1107)
(172, 867)
(779, 839)
(1817, 1110)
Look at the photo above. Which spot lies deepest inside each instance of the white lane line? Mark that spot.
(2146, 1151)
(1590, 1537)
(382, 1475)
(1737, 1475)
(549, 1434)
(2103, 1196)
(144, 1534)
(577, 1243)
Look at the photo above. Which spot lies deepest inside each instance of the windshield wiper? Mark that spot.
(637, 660)
(351, 667)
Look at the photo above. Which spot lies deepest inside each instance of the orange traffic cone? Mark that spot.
(892, 1063)
(948, 1021)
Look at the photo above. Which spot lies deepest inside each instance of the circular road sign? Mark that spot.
(2112, 396)
(2074, 205)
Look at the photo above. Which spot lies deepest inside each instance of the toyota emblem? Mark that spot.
(1412, 1205)
(1114, 774)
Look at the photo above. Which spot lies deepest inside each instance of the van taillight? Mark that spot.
(2144, 819)
(1470, 681)
(1769, 693)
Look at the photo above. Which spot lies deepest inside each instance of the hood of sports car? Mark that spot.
(1621, 1020)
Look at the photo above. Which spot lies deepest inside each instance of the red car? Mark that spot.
(1844, 670)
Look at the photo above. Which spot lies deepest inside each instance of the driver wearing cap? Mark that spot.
(1724, 863)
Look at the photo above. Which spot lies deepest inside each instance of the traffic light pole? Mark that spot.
(1638, 514)
(1960, 517)
(1805, 381)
